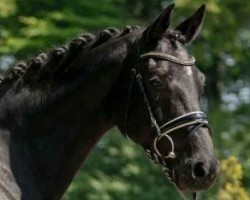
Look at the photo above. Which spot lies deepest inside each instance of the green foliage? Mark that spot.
(231, 181)
(7, 8)
(48, 23)
(118, 169)
(232, 135)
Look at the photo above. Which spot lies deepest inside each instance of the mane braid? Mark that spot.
(11, 76)
(128, 29)
(35, 65)
(14, 73)
(105, 35)
(45, 66)
(175, 35)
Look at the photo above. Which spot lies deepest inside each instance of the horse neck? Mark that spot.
(51, 134)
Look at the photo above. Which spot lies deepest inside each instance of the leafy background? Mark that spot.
(116, 168)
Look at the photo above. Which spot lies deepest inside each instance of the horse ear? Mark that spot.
(190, 27)
(160, 25)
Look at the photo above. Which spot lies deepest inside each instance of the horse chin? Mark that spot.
(186, 184)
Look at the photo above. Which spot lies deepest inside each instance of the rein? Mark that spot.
(196, 119)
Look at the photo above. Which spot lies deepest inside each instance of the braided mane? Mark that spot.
(40, 66)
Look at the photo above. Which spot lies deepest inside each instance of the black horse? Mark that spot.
(56, 107)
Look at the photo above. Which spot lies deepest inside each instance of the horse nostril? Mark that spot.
(199, 170)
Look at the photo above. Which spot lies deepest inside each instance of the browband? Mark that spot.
(164, 56)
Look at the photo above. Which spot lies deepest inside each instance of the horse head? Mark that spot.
(162, 107)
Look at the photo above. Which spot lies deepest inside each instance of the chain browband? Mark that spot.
(164, 56)
(196, 119)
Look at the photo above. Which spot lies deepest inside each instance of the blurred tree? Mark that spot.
(48, 23)
(116, 169)
(231, 181)
(223, 45)
(143, 9)
(7, 8)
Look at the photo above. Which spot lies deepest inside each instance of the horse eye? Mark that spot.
(155, 82)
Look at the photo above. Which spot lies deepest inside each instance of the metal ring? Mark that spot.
(171, 153)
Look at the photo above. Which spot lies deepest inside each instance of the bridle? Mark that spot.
(195, 120)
